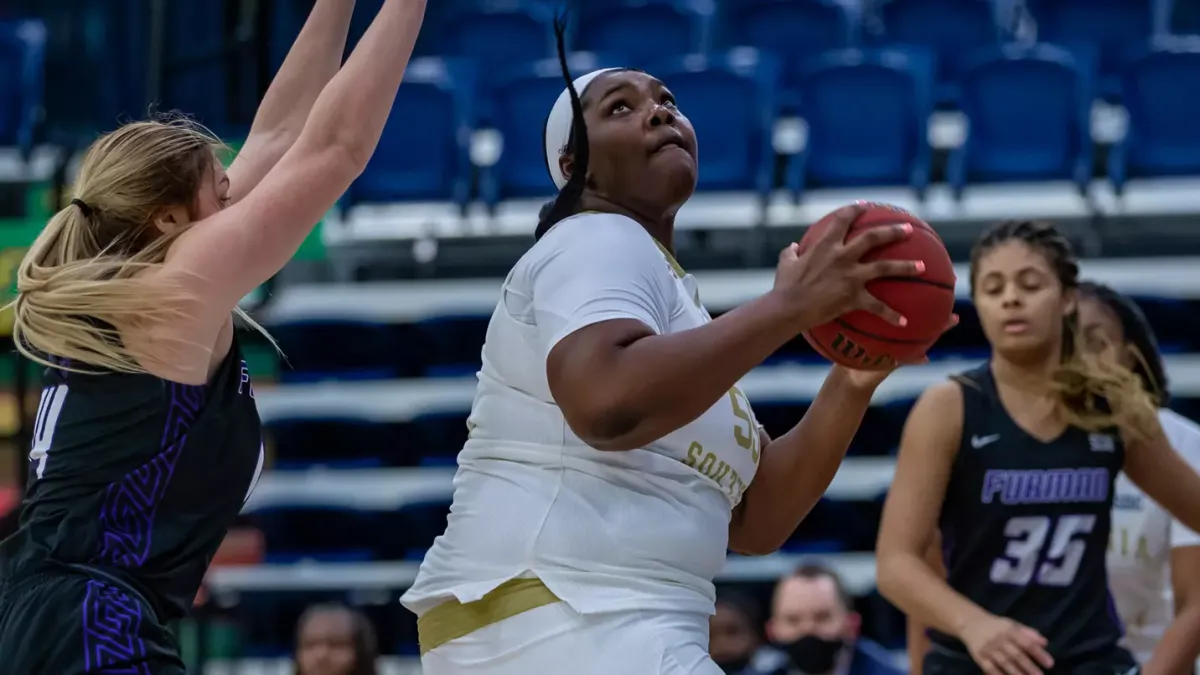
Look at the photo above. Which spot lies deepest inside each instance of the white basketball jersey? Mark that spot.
(641, 529)
(1139, 550)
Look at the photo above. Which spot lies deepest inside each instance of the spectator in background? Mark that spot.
(815, 627)
(332, 639)
(735, 633)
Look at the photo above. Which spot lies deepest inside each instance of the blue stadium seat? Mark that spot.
(195, 60)
(952, 28)
(424, 153)
(643, 31)
(317, 349)
(791, 30)
(834, 526)
(343, 443)
(1161, 91)
(22, 59)
(1113, 28)
(417, 525)
(731, 101)
(520, 102)
(439, 437)
(453, 344)
(868, 116)
(497, 37)
(1029, 112)
(319, 532)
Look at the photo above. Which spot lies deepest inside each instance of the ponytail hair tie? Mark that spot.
(83, 206)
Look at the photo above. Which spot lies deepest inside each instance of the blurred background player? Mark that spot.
(1015, 462)
(1153, 559)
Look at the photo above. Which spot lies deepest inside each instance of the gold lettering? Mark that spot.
(747, 438)
(695, 452)
(706, 464)
(1143, 548)
(722, 471)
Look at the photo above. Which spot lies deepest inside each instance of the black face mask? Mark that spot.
(814, 655)
(734, 666)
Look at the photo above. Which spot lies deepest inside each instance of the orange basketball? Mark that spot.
(864, 341)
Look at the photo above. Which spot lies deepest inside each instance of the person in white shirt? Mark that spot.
(1153, 559)
(612, 457)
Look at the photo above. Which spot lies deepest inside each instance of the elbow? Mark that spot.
(610, 428)
(350, 156)
(341, 157)
(753, 536)
(888, 580)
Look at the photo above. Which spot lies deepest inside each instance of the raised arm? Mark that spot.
(622, 382)
(245, 244)
(314, 58)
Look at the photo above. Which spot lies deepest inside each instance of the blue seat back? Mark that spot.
(1161, 91)
(792, 30)
(1029, 113)
(643, 32)
(195, 62)
(496, 38)
(1113, 27)
(730, 100)
(320, 532)
(22, 52)
(952, 28)
(521, 101)
(867, 113)
(424, 151)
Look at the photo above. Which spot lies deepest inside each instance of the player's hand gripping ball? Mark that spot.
(864, 341)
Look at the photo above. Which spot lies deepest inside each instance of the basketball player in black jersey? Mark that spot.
(1015, 462)
(147, 436)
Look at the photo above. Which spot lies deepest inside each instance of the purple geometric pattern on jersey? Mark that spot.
(130, 504)
(111, 621)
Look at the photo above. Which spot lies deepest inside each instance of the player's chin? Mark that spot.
(678, 174)
(1020, 344)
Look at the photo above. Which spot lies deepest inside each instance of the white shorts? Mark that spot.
(556, 640)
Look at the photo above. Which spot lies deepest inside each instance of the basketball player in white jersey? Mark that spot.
(611, 454)
(1153, 559)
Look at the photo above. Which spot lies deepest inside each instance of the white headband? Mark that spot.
(558, 125)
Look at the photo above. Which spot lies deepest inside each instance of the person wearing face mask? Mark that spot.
(816, 630)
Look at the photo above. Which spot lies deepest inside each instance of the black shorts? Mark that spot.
(70, 623)
(1116, 661)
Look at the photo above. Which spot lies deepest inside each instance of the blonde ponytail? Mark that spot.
(1096, 392)
(84, 281)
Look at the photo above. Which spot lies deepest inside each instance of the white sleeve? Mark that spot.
(599, 268)
(1185, 438)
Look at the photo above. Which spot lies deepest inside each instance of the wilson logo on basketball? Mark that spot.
(855, 353)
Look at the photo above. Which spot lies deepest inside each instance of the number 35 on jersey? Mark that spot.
(1042, 550)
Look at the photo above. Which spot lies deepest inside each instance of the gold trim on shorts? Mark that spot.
(452, 620)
